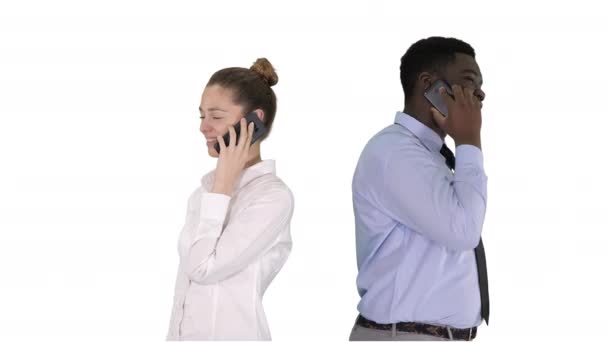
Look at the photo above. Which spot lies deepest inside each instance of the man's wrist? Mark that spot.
(475, 141)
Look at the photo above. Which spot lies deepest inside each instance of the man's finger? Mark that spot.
(439, 119)
(458, 93)
(446, 97)
(468, 92)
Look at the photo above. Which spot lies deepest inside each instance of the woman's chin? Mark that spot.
(212, 152)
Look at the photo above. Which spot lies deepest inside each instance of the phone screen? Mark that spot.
(434, 97)
(259, 130)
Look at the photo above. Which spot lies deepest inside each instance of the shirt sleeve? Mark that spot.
(219, 249)
(417, 192)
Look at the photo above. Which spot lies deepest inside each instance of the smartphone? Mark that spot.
(434, 97)
(259, 130)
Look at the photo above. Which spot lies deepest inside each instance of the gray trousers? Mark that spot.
(366, 334)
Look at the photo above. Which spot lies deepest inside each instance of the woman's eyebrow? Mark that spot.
(212, 109)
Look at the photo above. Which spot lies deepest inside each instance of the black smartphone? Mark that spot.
(434, 97)
(258, 130)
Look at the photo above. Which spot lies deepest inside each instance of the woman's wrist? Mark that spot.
(222, 188)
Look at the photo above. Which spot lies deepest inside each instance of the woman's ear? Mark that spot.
(260, 114)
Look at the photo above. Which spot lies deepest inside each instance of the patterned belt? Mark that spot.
(420, 328)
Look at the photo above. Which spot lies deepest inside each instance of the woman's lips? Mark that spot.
(211, 142)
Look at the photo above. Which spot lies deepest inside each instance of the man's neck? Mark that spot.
(424, 116)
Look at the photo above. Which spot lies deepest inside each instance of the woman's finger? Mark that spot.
(243, 133)
(250, 130)
(232, 133)
(220, 141)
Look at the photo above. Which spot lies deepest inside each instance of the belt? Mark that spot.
(421, 328)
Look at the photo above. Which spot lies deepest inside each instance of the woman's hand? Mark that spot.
(232, 159)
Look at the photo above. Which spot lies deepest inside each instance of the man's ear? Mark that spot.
(425, 79)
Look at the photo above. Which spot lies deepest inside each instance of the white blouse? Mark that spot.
(230, 249)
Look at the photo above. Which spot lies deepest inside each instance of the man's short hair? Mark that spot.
(432, 55)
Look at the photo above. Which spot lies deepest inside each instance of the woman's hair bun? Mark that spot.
(263, 68)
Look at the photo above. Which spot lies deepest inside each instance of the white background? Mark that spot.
(100, 148)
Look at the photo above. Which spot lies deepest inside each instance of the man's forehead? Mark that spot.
(465, 62)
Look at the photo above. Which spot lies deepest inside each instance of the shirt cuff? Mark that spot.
(468, 155)
(214, 208)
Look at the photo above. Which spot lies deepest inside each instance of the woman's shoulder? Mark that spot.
(270, 183)
(270, 186)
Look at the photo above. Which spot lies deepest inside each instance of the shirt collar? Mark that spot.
(254, 171)
(427, 136)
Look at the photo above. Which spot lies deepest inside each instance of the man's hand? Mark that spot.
(463, 123)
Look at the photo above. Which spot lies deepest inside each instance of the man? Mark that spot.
(422, 272)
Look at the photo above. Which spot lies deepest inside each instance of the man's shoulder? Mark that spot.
(392, 138)
(394, 142)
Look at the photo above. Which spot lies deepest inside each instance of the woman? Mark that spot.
(236, 237)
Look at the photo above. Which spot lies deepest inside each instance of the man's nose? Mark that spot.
(480, 94)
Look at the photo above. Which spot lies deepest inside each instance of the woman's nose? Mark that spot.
(205, 127)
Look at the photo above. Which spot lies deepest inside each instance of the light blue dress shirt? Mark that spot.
(417, 224)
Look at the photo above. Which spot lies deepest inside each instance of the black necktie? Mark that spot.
(480, 254)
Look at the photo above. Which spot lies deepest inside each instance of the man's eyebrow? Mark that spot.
(472, 71)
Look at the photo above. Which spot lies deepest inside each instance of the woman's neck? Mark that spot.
(256, 156)
(253, 161)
